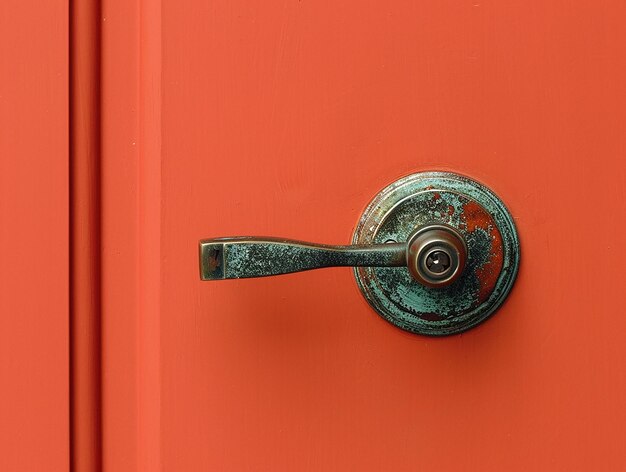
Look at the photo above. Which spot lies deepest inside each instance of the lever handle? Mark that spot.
(434, 254)
(242, 257)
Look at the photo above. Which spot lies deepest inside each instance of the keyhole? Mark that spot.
(438, 262)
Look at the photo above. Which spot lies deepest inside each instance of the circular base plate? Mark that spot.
(492, 243)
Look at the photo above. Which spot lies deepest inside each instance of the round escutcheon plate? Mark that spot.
(477, 214)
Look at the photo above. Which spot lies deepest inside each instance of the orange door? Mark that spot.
(284, 118)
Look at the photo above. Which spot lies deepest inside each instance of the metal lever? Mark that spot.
(434, 254)
(240, 258)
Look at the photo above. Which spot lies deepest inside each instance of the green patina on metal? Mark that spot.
(487, 228)
(445, 213)
(245, 257)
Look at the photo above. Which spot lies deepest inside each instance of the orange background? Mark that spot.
(285, 118)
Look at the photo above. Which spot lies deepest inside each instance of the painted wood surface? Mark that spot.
(285, 118)
(130, 234)
(34, 238)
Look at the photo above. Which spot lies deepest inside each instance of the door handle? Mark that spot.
(241, 257)
(434, 253)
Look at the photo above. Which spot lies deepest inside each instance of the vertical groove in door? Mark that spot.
(85, 253)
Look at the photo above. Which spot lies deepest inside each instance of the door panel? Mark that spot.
(34, 239)
(285, 118)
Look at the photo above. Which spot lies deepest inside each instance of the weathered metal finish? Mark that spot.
(241, 257)
(456, 237)
(485, 225)
(244, 257)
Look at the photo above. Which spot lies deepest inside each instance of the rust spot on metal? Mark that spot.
(430, 316)
(488, 274)
(214, 261)
(475, 218)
